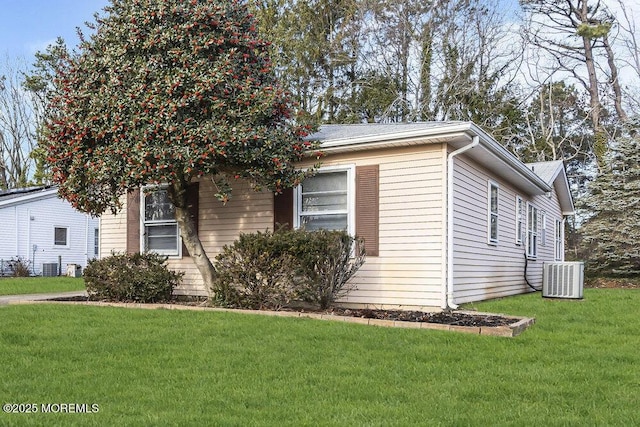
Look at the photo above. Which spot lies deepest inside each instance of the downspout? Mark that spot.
(86, 240)
(449, 304)
(15, 211)
(28, 251)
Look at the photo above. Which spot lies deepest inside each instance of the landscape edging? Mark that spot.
(510, 331)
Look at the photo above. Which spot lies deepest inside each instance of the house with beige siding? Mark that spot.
(448, 215)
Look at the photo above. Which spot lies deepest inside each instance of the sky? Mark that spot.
(28, 26)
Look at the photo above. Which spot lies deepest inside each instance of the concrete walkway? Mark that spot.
(6, 299)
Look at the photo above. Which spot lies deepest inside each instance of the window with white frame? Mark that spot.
(323, 201)
(61, 236)
(532, 231)
(559, 244)
(543, 232)
(493, 213)
(159, 221)
(96, 241)
(521, 220)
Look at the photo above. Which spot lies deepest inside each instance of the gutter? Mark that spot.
(448, 282)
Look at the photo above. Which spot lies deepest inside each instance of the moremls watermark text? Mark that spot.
(50, 408)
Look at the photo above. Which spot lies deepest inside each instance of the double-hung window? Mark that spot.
(532, 231)
(160, 227)
(493, 213)
(61, 236)
(521, 220)
(324, 202)
(96, 242)
(543, 220)
(559, 246)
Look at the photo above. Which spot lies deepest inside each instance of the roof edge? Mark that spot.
(45, 192)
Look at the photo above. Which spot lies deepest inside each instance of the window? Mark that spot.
(493, 213)
(543, 220)
(559, 250)
(532, 232)
(521, 220)
(96, 241)
(324, 201)
(61, 236)
(160, 227)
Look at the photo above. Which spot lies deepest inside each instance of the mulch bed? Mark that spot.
(444, 317)
(611, 283)
(455, 318)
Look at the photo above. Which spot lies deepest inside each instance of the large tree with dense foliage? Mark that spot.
(611, 235)
(164, 92)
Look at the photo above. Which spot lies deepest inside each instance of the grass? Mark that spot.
(578, 365)
(39, 285)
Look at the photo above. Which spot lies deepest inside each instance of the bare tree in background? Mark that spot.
(573, 33)
(630, 55)
(17, 128)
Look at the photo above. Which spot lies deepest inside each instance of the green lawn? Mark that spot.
(39, 285)
(578, 365)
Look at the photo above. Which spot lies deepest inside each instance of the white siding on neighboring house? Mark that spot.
(29, 230)
(408, 271)
(8, 233)
(483, 270)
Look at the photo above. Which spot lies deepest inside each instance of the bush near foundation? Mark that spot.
(137, 277)
(267, 270)
(328, 259)
(19, 267)
(256, 272)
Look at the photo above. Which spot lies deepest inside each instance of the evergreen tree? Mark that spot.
(611, 235)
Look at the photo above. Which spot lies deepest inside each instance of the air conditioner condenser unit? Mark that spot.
(563, 280)
(49, 269)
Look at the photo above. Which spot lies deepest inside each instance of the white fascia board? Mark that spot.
(564, 192)
(400, 138)
(432, 134)
(503, 154)
(38, 195)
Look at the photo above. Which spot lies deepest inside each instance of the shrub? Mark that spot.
(269, 270)
(131, 278)
(255, 272)
(328, 260)
(19, 267)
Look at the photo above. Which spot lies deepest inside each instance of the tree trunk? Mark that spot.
(4, 185)
(622, 115)
(178, 195)
(600, 138)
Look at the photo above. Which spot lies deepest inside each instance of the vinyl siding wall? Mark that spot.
(482, 270)
(218, 225)
(113, 231)
(409, 269)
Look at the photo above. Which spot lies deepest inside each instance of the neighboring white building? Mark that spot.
(39, 227)
(448, 215)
